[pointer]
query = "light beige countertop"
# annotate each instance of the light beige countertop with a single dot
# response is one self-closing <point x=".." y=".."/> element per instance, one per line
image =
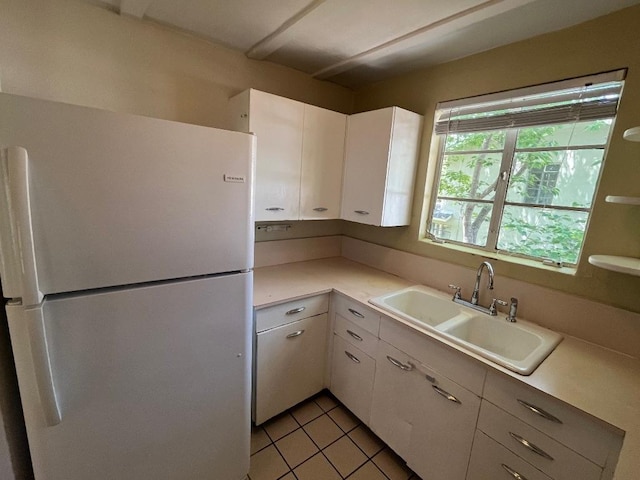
<point x="600" y="382"/>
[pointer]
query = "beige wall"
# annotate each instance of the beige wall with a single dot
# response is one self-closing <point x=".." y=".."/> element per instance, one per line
<point x="607" y="43"/>
<point x="78" y="53"/>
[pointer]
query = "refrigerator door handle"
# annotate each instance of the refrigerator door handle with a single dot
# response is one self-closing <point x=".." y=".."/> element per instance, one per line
<point x="17" y="169"/>
<point x="42" y="365"/>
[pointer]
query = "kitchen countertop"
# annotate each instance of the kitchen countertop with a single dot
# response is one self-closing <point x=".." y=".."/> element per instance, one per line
<point x="603" y="383"/>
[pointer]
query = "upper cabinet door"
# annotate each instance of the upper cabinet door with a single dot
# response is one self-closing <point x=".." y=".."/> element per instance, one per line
<point x="322" y="163"/>
<point x="380" y="161"/>
<point x="277" y="123"/>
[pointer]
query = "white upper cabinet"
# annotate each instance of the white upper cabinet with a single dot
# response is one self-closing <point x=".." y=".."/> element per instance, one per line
<point x="322" y="161"/>
<point x="300" y="150"/>
<point x="380" y="161"/>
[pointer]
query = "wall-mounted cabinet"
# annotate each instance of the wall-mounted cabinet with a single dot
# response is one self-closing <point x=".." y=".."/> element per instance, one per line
<point x="299" y="158"/>
<point x="380" y="161"/>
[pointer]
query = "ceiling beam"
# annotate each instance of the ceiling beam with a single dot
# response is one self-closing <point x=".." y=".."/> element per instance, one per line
<point x="134" y="8"/>
<point x="282" y="35"/>
<point x="453" y="22"/>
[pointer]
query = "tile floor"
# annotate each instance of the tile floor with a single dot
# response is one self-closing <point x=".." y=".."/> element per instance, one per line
<point x="320" y="439"/>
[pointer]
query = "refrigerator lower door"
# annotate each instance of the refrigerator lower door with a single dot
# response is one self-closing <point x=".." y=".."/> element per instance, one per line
<point x="150" y="382"/>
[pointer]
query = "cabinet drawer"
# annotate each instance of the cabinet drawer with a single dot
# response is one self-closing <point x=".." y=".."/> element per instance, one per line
<point x="579" y="432"/>
<point x="358" y="314"/>
<point x="433" y="354"/>
<point x="540" y="450"/>
<point x="490" y="460"/>
<point x="352" y="373"/>
<point x="356" y="335"/>
<point x="284" y="313"/>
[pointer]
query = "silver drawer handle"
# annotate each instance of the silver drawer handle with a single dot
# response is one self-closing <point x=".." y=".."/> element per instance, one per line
<point x="295" y="334"/>
<point x="538" y="411"/>
<point x="407" y="367"/>
<point x="354" y="335"/>
<point x="320" y="209"/>
<point x="361" y="212"/>
<point x="356" y="313"/>
<point x="513" y="473"/>
<point x="352" y="357"/>
<point x="293" y="311"/>
<point x="534" y="448"/>
<point x="446" y="394"/>
<point x="274" y="209"/>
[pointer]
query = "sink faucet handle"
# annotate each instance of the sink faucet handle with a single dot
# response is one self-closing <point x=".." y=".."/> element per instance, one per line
<point x="492" y="308"/>
<point x="513" y="309"/>
<point x="456" y="295"/>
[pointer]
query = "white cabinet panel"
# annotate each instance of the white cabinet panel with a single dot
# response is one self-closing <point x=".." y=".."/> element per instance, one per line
<point x="356" y="335"/>
<point x="284" y="313"/>
<point x="357" y="313"/>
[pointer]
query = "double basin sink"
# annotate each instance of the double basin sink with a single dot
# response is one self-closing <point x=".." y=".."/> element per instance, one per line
<point x="519" y="346"/>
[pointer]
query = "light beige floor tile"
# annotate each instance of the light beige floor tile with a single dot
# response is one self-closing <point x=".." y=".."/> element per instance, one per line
<point x="368" y="442"/>
<point x="259" y="439"/>
<point x="296" y="448"/>
<point x="280" y="426"/>
<point x="346" y="420"/>
<point x="326" y="402"/>
<point x="306" y="412"/>
<point x="267" y="464"/>
<point x="288" y="476"/>
<point x="317" y="468"/>
<point x="323" y="431"/>
<point x="367" y="472"/>
<point x="345" y="456"/>
<point x="392" y="465"/>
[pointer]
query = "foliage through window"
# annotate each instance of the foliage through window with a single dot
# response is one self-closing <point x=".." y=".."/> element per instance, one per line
<point x="518" y="173"/>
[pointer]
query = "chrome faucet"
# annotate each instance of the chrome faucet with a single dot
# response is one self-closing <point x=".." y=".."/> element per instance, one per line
<point x="476" y="287"/>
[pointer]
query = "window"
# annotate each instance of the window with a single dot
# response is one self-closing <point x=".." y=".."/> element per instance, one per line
<point x="517" y="171"/>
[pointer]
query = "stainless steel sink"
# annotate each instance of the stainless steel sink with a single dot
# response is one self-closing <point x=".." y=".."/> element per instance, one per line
<point x="519" y="346"/>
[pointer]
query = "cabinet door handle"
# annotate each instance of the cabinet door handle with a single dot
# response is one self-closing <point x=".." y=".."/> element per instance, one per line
<point x="446" y="394"/>
<point x="361" y="212"/>
<point x="407" y="367"/>
<point x="295" y="334"/>
<point x="354" y="335"/>
<point x="539" y="411"/>
<point x="293" y="311"/>
<point x="530" y="446"/>
<point x="274" y="209"/>
<point x="513" y="473"/>
<point x="320" y="209"/>
<point x="356" y="313"/>
<point x="352" y="357"/>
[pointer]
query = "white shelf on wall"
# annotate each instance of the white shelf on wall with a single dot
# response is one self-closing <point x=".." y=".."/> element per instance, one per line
<point x="628" y="265"/>
<point x="632" y="134"/>
<point x="621" y="199"/>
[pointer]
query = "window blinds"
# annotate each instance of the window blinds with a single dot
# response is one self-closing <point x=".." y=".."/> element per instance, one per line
<point x="587" y="98"/>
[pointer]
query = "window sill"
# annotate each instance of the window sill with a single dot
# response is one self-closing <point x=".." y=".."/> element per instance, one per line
<point x="502" y="257"/>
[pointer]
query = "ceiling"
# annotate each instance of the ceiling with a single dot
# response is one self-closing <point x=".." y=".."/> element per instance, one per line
<point x="354" y="42"/>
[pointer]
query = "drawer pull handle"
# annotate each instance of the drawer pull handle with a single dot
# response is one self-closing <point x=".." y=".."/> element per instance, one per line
<point x="352" y="357"/>
<point x="538" y="411"/>
<point x="446" y="394"/>
<point x="293" y="311"/>
<point x="513" y="473"/>
<point x="407" y="367"/>
<point x="320" y="209"/>
<point x="534" y="448"/>
<point x="356" y="313"/>
<point x="361" y="212"/>
<point x="274" y="209"/>
<point x="354" y="335"/>
<point x="295" y="334"/>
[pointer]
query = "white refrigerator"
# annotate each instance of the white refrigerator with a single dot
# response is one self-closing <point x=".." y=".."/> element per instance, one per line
<point x="126" y="249"/>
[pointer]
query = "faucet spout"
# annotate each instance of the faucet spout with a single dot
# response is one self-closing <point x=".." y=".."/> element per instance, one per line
<point x="476" y="287"/>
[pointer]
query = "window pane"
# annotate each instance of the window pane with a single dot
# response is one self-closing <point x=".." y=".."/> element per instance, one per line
<point x="593" y="132"/>
<point x="541" y="233"/>
<point x="458" y="142"/>
<point x="469" y="176"/>
<point x="562" y="178"/>
<point x="461" y="221"/>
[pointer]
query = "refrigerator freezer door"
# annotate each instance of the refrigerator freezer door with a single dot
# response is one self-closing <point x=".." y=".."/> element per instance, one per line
<point x="151" y="382"/>
<point x="120" y="199"/>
